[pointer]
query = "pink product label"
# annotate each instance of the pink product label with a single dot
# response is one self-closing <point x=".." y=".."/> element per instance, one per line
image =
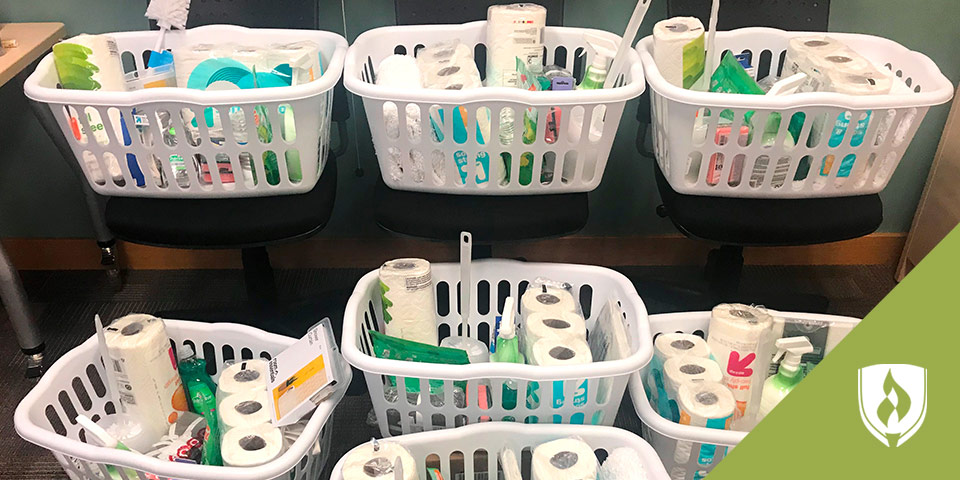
<point x="740" y="367"/>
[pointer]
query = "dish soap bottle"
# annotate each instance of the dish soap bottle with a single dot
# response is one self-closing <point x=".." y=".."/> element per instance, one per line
<point x="788" y="375"/>
<point x="201" y="394"/>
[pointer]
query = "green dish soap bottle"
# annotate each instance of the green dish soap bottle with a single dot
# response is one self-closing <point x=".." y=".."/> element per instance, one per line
<point x="200" y="390"/>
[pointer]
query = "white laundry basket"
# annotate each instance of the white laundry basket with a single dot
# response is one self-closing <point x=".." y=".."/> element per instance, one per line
<point x="75" y="385"/>
<point x="493" y="282"/>
<point x="674" y="442"/>
<point x="175" y="164"/>
<point x="698" y="158"/>
<point x="472" y="452"/>
<point x="411" y="159"/>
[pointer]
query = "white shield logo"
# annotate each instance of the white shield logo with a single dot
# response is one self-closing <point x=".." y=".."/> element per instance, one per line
<point x="893" y="401"/>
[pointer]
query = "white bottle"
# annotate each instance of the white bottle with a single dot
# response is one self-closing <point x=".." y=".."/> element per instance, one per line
<point x="788" y="375"/>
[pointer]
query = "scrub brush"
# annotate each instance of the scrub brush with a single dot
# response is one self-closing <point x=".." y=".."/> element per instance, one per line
<point x="168" y="14"/>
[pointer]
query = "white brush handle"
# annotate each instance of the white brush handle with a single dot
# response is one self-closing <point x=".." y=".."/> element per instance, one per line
<point x="163" y="31"/>
<point x="633" y="26"/>
<point x="711" y="42"/>
<point x="466" y="257"/>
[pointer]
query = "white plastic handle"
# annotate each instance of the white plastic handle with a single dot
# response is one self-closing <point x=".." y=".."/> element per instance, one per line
<point x="107" y="364"/>
<point x="626" y="43"/>
<point x="466" y="258"/>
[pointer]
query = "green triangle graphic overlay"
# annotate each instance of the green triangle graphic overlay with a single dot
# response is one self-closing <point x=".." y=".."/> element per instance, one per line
<point x="817" y="431"/>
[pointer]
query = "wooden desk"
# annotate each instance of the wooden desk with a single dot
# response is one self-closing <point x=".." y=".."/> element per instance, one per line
<point x="34" y="39"/>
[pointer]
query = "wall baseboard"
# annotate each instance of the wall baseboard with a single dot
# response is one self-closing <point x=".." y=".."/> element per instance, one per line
<point x="327" y="252"/>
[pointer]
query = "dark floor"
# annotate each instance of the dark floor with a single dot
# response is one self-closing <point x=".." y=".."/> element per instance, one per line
<point x="64" y="304"/>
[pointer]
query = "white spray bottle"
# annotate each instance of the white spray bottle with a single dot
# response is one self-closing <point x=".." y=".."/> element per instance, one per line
<point x="788" y="375"/>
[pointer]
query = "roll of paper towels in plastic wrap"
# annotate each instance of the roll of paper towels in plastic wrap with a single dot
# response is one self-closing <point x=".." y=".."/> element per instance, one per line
<point x="704" y="404"/>
<point x="546" y="299"/>
<point x="554" y="352"/>
<point x="737" y="337"/>
<point x="378" y="460"/>
<point x="409" y="302"/>
<point x="556" y="325"/>
<point x="145" y="367"/>
<point x="513" y="31"/>
<point x="564" y="459"/>
<point x="89" y="62"/>
<point x="251" y="446"/>
<point x="245" y="409"/>
<point x="678" y="50"/>
<point x="243" y="376"/>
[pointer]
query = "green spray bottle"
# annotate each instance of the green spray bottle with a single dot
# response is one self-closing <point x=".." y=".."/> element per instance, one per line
<point x="788" y="375"/>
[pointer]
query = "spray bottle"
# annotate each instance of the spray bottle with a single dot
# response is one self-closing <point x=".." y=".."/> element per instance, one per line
<point x="788" y="375"/>
<point x="507" y="350"/>
<point x="596" y="73"/>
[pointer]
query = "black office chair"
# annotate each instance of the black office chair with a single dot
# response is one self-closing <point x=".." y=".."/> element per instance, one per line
<point x="491" y="218"/>
<point x="736" y="223"/>
<point x="249" y="224"/>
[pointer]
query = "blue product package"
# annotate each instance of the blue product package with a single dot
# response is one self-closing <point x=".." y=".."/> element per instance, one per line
<point x="131" y="158"/>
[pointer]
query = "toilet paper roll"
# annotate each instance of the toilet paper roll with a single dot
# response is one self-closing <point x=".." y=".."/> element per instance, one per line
<point x="801" y="49"/>
<point x="303" y="58"/>
<point x="546" y="299"/>
<point x="251" y="446"/>
<point x="706" y="404"/>
<point x="555" y="352"/>
<point x="623" y="463"/>
<point x="566" y="458"/>
<point x="866" y="82"/>
<point x="513" y="31"/>
<point x="665" y="347"/>
<point x="243" y="376"/>
<point x="145" y="369"/>
<point x="245" y="409"/>
<point x="377" y="459"/>
<point x="556" y="325"/>
<point x="678" y="50"/>
<point x="89" y="62"/>
<point x="680" y="370"/>
<point x="737" y="337"/>
<point x="409" y="305"/>
<point x="399" y="71"/>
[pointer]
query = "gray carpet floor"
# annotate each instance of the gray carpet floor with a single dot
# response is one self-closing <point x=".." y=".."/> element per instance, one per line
<point x="64" y="303"/>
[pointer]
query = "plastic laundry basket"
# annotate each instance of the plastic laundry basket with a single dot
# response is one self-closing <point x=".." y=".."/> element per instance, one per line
<point x="412" y="159"/>
<point x="472" y="452"/>
<point x="599" y="387"/>
<point x="133" y="157"/>
<point x="75" y="384"/>
<point x="829" y="160"/>
<point x="674" y="442"/>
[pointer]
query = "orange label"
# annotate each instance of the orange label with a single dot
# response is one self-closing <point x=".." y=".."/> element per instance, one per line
<point x="684" y="418"/>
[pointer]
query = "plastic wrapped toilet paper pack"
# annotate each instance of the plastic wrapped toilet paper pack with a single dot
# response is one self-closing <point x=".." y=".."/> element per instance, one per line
<point x="448" y="66"/>
<point x="378" y="460"/>
<point x="245" y="409"/>
<point x="243" y="376"/>
<point x="680" y="370"/>
<point x="704" y="404"/>
<point x="546" y="299"/>
<point x="564" y="459"/>
<point x="665" y="347"/>
<point x="555" y="325"/>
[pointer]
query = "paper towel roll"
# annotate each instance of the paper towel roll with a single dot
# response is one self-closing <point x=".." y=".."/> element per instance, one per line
<point x="245" y="409"/>
<point x="736" y="337"/>
<point x="513" y="31"/>
<point x="251" y="446"/>
<point x="145" y="366"/>
<point x="680" y="370"/>
<point x="556" y="325"/>
<point x="399" y="71"/>
<point x="678" y="50"/>
<point x="623" y="463"/>
<point x="377" y="459"/>
<point x="243" y="376"/>
<point x="706" y="404"/>
<point x="89" y="62"/>
<point x="553" y="352"/>
<point x="566" y="459"/>
<point x="409" y="305"/>
<point x="546" y="299"/>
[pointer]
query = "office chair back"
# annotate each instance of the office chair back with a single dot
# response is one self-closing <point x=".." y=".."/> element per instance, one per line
<point x="803" y="15"/>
